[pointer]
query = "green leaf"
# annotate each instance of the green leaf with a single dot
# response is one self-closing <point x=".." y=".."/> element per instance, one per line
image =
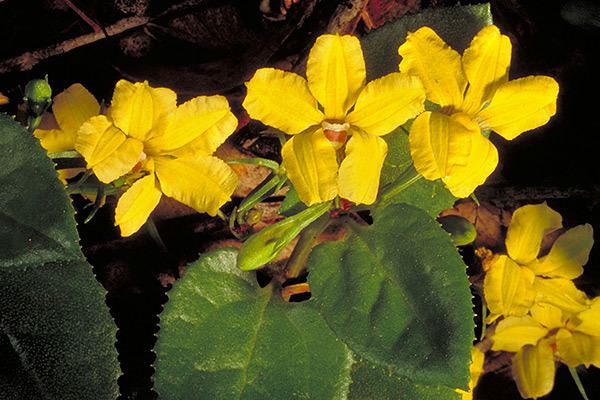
<point x="262" y="247"/>
<point x="291" y="204"/>
<point x="56" y="333"/>
<point x="370" y="381"/>
<point x="456" y="25"/>
<point x="223" y="337"/>
<point x="397" y="294"/>
<point x="431" y="196"/>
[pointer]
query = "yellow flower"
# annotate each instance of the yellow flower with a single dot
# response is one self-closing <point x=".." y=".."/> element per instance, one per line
<point x="71" y="109"/>
<point x="475" y="371"/>
<point x="170" y="145"/>
<point x="336" y="81"/>
<point x="547" y="333"/>
<point x="475" y="95"/>
<point x="515" y="281"/>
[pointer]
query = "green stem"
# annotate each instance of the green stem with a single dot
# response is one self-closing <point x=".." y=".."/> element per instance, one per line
<point x="263" y="162"/>
<point x="153" y="231"/>
<point x="407" y="178"/>
<point x="297" y="260"/>
<point x="33" y="122"/>
<point x="578" y="383"/>
<point x="65" y="154"/>
<point x="266" y="188"/>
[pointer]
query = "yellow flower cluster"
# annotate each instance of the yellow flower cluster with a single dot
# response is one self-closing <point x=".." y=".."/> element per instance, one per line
<point x="545" y="315"/>
<point x="163" y="148"/>
<point x="336" y="120"/>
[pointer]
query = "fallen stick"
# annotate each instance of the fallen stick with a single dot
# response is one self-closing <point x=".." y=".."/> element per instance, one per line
<point x="28" y="60"/>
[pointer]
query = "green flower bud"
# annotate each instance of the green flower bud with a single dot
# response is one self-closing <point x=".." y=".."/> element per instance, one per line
<point x="461" y="231"/>
<point x="38" y="95"/>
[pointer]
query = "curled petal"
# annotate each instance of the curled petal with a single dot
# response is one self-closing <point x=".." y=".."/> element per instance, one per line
<point x="73" y="107"/>
<point x="533" y="369"/>
<point x="425" y="55"/>
<point x="548" y="315"/>
<point x="282" y="100"/>
<point x="513" y="333"/>
<point x="568" y="254"/>
<point x="576" y="348"/>
<point x="107" y="151"/>
<point x="520" y="105"/>
<point x="486" y="63"/>
<point x="137" y="108"/>
<point x="561" y="293"/>
<point x="311" y="165"/>
<point x="136" y="205"/>
<point x="198" y="126"/>
<point x="439" y="144"/>
<point x="508" y="287"/>
<point x="203" y="183"/>
<point x="588" y="321"/>
<point x="388" y="102"/>
<point x="56" y="140"/>
<point x="361" y="169"/>
<point x="336" y="73"/>
<point x="528" y="226"/>
<point x="482" y="161"/>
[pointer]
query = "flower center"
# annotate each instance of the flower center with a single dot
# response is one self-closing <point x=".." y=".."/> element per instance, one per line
<point x="336" y="133"/>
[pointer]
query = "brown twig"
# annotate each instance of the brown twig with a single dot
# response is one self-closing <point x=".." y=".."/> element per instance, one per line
<point x="97" y="28"/>
<point x="28" y="60"/>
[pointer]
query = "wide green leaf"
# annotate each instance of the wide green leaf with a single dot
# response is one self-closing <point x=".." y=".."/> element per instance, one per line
<point x="456" y="25"/>
<point x="397" y="294"/>
<point x="56" y="333"/>
<point x="224" y="337"/>
<point x="371" y="381"/>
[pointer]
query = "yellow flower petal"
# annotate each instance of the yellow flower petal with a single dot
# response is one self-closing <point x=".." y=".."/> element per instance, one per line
<point x="440" y="143"/>
<point x="282" y="100"/>
<point x="533" y="369"/>
<point x="73" y="107"/>
<point x="481" y="163"/>
<point x="548" y="315"/>
<point x="388" y="102"/>
<point x="203" y="183"/>
<point x="575" y="348"/>
<point x="513" y="333"/>
<point x="528" y="226"/>
<point x="311" y="165"/>
<point x="561" y="293"/>
<point x="588" y="321"/>
<point x="508" y="287"/>
<point x="475" y="371"/>
<point x="425" y="55"/>
<point x="568" y="254"/>
<point x="201" y="125"/>
<point x="361" y="169"/>
<point x="520" y="105"/>
<point x="486" y="63"/>
<point x="56" y="140"/>
<point x="336" y="73"/>
<point x="136" y="205"/>
<point x="137" y="108"/>
<point x="107" y="151"/>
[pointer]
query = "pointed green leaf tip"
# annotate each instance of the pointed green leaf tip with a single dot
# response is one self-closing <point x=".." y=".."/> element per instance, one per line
<point x="56" y="333"/>
<point x="397" y="294"/>
<point x="222" y="337"/>
<point x="262" y="247"/>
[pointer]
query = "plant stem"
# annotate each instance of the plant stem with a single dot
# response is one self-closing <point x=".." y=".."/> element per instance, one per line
<point x="263" y="162"/>
<point x="407" y="178"/>
<point x="578" y="383"/>
<point x="153" y="231"/>
<point x="65" y="154"/>
<point x="297" y="260"/>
